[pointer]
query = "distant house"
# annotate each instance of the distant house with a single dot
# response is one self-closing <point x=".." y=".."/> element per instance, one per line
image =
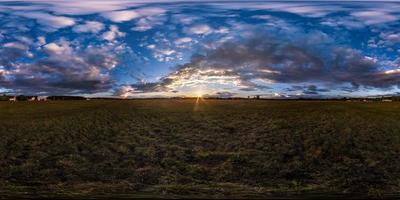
<point x="31" y="98"/>
<point x="387" y="98"/>
<point x="42" y="98"/>
<point x="13" y="99"/>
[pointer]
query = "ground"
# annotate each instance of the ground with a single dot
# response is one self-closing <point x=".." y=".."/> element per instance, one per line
<point x="203" y="148"/>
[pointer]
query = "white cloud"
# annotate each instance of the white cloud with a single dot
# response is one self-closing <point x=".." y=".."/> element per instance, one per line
<point x="41" y="41"/>
<point x="79" y="7"/>
<point x="60" y="48"/>
<point x="165" y="55"/>
<point x="15" y="45"/>
<point x="183" y="40"/>
<point x="184" y="19"/>
<point x="51" y="21"/>
<point x="222" y="30"/>
<point x="151" y="46"/>
<point x="300" y="8"/>
<point x="263" y="17"/>
<point x="345" y="22"/>
<point x="310" y="11"/>
<point x="142" y="25"/>
<point x="374" y="17"/>
<point x="89" y="27"/>
<point x="113" y="33"/>
<point x="167" y="52"/>
<point x="147" y="23"/>
<point x="121" y="16"/>
<point x="53" y="48"/>
<point x="202" y="29"/>
<point x="74" y="7"/>
<point x="391" y="37"/>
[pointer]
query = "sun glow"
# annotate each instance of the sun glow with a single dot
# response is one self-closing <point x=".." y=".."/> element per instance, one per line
<point x="199" y="99"/>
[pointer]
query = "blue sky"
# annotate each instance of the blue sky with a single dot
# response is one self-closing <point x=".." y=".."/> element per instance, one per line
<point x="210" y="48"/>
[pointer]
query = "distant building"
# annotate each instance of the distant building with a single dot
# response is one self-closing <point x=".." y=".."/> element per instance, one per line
<point x="42" y="98"/>
<point x="32" y="98"/>
<point x="13" y="99"/>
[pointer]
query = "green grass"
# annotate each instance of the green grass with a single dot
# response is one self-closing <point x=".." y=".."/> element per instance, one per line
<point x="218" y="148"/>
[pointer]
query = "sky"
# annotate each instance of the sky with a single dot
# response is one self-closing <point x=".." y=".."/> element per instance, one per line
<point x="135" y="49"/>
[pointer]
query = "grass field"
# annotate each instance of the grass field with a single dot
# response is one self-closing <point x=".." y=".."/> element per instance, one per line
<point x="213" y="148"/>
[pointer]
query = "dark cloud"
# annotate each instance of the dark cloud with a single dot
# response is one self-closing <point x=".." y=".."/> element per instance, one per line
<point x="12" y="51"/>
<point x="273" y="60"/>
<point x="224" y="95"/>
<point x="61" y="72"/>
<point x="160" y="86"/>
<point x="308" y="89"/>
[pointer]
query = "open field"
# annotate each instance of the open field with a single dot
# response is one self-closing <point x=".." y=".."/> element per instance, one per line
<point x="215" y="148"/>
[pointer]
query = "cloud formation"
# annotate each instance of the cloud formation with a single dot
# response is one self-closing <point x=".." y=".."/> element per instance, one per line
<point x="65" y="70"/>
<point x="89" y="27"/>
<point x="267" y="59"/>
<point x="51" y="22"/>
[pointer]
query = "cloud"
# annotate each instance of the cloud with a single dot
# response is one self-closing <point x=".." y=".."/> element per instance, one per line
<point x="223" y="95"/>
<point x="89" y="27"/>
<point x="41" y="41"/>
<point x="310" y="10"/>
<point x="51" y="21"/>
<point x="149" y="18"/>
<point x="72" y="7"/>
<point x="185" y="19"/>
<point x="262" y="58"/>
<point x="374" y="17"/>
<point x="124" y="91"/>
<point x="243" y="46"/>
<point x="151" y="11"/>
<point x="121" y="16"/>
<point x="58" y="49"/>
<point x="202" y="29"/>
<point x="306" y="9"/>
<point x="308" y="90"/>
<point x="112" y="34"/>
<point x="390" y="38"/>
<point x="142" y="25"/>
<point x="147" y="23"/>
<point x="183" y="40"/>
<point x="128" y="15"/>
<point x="14" y="45"/>
<point x="65" y="70"/>
<point x="165" y="55"/>
<point x="11" y="52"/>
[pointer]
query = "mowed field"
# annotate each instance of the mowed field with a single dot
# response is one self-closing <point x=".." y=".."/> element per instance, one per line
<point x="212" y="148"/>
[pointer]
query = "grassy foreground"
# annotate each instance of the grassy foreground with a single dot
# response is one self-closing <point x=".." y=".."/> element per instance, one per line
<point x="215" y="148"/>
